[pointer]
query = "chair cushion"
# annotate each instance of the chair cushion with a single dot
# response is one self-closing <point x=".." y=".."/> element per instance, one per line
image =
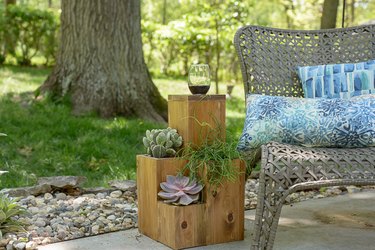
<point x="309" y="122"/>
<point x="338" y="80"/>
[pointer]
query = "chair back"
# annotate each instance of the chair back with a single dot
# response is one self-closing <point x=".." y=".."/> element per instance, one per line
<point x="269" y="57"/>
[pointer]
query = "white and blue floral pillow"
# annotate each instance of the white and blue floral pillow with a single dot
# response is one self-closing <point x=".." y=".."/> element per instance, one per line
<point x="338" y="80"/>
<point x="319" y="122"/>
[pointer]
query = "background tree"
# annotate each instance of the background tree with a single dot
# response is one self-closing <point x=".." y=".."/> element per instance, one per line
<point x="223" y="17"/>
<point x="4" y="36"/>
<point x="329" y="14"/>
<point x="9" y="2"/>
<point x="100" y="63"/>
<point x="177" y="34"/>
<point x="289" y="11"/>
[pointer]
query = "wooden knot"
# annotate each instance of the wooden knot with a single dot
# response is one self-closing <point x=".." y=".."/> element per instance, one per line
<point x="230" y="217"/>
<point x="184" y="225"/>
<point x="214" y="193"/>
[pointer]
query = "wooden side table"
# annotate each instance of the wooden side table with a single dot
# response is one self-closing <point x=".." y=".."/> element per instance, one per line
<point x="197" y="117"/>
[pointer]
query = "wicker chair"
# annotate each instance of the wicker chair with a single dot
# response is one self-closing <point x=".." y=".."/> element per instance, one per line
<point x="268" y="59"/>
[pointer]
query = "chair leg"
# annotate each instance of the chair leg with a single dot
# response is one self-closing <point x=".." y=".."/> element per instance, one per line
<point x="267" y="215"/>
<point x="283" y="173"/>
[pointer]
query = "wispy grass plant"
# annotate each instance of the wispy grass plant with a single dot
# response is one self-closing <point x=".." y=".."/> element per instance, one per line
<point x="212" y="162"/>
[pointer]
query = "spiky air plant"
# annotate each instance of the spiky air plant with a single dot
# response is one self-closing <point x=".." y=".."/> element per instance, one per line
<point x="180" y="190"/>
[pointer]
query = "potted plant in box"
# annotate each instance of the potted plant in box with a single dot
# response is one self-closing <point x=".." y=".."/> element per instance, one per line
<point x="162" y="146"/>
<point x="217" y="217"/>
<point x="178" y="190"/>
<point x="214" y="162"/>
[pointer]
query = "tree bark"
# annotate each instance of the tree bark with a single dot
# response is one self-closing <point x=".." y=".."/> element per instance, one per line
<point x="9" y="2"/>
<point x="329" y="14"/>
<point x="164" y="21"/>
<point x="100" y="63"/>
<point x="289" y="6"/>
<point x="217" y="30"/>
<point x="352" y="12"/>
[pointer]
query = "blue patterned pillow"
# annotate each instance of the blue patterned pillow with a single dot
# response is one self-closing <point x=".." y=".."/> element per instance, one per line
<point x="338" y="80"/>
<point x="310" y="122"/>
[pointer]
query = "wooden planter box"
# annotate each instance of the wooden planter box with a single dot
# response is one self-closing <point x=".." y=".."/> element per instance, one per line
<point x="220" y="218"/>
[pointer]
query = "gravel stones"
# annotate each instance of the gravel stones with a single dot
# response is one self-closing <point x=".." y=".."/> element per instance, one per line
<point x="25" y="191"/>
<point x="353" y="189"/>
<point x="62" y="181"/>
<point x="100" y="196"/>
<point x="58" y="217"/>
<point x="55" y="217"/>
<point x="124" y="185"/>
<point x="20" y="246"/>
<point x="116" y="194"/>
<point x="252" y="187"/>
<point x="39" y="223"/>
<point x="48" y="196"/>
<point x="61" y="196"/>
<point x="31" y="245"/>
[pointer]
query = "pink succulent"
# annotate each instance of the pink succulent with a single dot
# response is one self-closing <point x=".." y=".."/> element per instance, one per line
<point x="180" y="190"/>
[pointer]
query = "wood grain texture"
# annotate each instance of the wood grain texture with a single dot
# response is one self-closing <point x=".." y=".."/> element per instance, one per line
<point x="224" y="210"/>
<point x="220" y="218"/>
<point x="181" y="226"/>
<point x="150" y="173"/>
<point x="197" y="117"/>
<point x="100" y="63"/>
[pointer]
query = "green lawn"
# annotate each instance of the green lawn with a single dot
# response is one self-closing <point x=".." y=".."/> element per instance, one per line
<point x="44" y="139"/>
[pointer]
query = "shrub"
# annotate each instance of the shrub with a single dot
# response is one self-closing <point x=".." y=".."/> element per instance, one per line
<point x="50" y="41"/>
<point x="2" y="36"/>
<point x="29" y="31"/>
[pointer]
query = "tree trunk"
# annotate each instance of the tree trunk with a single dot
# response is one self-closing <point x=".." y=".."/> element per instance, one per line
<point x="289" y="7"/>
<point x="352" y="12"/>
<point x="9" y="2"/>
<point x="329" y="14"/>
<point x="217" y="56"/>
<point x="100" y="64"/>
<point x="164" y="21"/>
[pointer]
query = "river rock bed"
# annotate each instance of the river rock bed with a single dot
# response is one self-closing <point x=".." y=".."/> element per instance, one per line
<point x="58" y="217"/>
<point x="55" y="217"/>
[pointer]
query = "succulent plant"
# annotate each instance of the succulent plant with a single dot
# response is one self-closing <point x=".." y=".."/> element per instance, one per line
<point x="162" y="142"/>
<point x="180" y="190"/>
